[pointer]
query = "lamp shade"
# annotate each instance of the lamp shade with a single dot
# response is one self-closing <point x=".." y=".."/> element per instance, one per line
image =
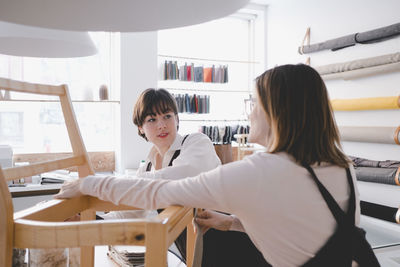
<point x="115" y="15"/>
<point x="27" y="41"/>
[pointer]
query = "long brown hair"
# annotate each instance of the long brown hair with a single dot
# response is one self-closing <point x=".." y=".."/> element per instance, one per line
<point x="296" y="103"/>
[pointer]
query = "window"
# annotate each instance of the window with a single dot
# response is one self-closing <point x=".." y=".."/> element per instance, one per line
<point x="227" y="41"/>
<point x="35" y="124"/>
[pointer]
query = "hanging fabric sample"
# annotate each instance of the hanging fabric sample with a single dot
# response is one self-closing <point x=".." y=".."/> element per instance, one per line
<point x="372" y="103"/>
<point x="382" y="212"/>
<point x="361" y="67"/>
<point x="384" y="135"/>
<point x="372" y="36"/>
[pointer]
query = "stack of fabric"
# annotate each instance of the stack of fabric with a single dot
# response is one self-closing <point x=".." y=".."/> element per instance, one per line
<point x="384" y="172"/>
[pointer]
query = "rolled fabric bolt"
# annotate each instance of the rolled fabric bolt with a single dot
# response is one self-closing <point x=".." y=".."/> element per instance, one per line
<point x="372" y="36"/>
<point x="382" y="212"/>
<point x="384" y="135"/>
<point x="359" y="64"/>
<point x="364" y="72"/>
<point x="372" y="103"/>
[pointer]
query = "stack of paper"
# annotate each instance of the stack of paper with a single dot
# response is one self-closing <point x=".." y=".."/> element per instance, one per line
<point x="125" y="256"/>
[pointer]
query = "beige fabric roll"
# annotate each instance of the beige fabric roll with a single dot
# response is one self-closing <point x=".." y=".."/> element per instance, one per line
<point x="384" y="135"/>
<point x="372" y="103"/>
<point x="359" y="64"/>
<point x="365" y="72"/>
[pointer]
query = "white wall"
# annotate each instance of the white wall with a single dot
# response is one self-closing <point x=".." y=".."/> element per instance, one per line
<point x="138" y="72"/>
<point x="287" y="21"/>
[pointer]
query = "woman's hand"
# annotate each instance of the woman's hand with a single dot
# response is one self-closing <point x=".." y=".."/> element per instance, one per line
<point x="207" y="219"/>
<point x="70" y="189"/>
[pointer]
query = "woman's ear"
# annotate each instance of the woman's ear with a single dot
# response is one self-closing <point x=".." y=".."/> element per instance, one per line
<point x="141" y="130"/>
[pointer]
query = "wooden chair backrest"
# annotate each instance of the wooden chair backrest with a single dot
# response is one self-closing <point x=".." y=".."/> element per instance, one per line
<point x="79" y="159"/>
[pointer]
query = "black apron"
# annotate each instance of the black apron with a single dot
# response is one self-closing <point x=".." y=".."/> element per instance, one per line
<point x="346" y="243"/>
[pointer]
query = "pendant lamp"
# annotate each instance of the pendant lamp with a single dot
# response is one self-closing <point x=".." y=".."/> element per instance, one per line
<point x="115" y="15"/>
<point x="27" y="41"/>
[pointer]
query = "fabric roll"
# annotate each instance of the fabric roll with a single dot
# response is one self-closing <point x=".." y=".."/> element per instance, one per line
<point x="333" y="44"/>
<point x="372" y="36"/>
<point x="379" y="34"/>
<point x="361" y="162"/>
<point x="384" y="135"/>
<point x="372" y="103"/>
<point x="359" y="64"/>
<point x="365" y="72"/>
<point x="380" y="211"/>
<point x="378" y="175"/>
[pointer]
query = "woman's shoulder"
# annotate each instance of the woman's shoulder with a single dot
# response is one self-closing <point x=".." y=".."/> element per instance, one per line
<point x="196" y="137"/>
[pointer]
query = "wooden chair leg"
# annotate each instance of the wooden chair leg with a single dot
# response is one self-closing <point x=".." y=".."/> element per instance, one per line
<point x="87" y="253"/>
<point x="6" y="223"/>
<point x="190" y="240"/>
<point x="156" y="245"/>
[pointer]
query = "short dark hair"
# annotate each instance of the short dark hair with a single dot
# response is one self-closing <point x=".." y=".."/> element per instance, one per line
<point x="151" y="102"/>
<point x="297" y="107"/>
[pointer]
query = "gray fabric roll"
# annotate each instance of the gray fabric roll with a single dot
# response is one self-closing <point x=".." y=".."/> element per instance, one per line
<point x="378" y="35"/>
<point x="361" y="162"/>
<point x="359" y="64"/>
<point x="376" y="175"/>
<point x="372" y="36"/>
<point x="334" y="44"/>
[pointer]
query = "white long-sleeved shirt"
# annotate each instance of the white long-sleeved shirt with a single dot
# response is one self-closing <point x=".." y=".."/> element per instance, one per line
<point x="275" y="199"/>
<point x="197" y="154"/>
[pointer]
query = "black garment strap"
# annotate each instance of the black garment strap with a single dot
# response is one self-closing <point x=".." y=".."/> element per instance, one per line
<point x="176" y="154"/>
<point x="341" y="217"/>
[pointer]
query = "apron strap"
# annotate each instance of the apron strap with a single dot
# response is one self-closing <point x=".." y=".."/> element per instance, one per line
<point x="176" y="154"/>
<point x="341" y="217"/>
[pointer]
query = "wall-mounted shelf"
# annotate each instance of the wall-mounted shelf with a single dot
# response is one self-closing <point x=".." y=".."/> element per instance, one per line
<point x="211" y="59"/>
<point x="54" y="101"/>
<point x="209" y="90"/>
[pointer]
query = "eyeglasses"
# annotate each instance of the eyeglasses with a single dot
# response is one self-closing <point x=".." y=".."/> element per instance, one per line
<point x="249" y="105"/>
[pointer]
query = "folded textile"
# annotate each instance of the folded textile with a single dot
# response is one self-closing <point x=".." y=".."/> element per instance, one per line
<point x="372" y="36"/>
<point x="378" y="175"/>
<point x="372" y="103"/>
<point x="361" y="162"/>
<point x="380" y="211"/>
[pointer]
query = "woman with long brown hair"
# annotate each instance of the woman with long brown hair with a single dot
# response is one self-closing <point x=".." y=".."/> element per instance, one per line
<point x="275" y="197"/>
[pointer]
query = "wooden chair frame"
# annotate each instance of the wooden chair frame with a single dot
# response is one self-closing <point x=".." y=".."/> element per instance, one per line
<point x="43" y="226"/>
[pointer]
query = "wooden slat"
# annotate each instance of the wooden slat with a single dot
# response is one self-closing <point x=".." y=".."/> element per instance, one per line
<point x="55" y="210"/>
<point x="32" y="88"/>
<point x="37" y="168"/>
<point x="78" y="147"/>
<point x="6" y="223"/>
<point x="156" y="245"/>
<point x="190" y="241"/>
<point x="87" y="252"/>
<point x="102" y="161"/>
<point x="34" y="234"/>
<point x="174" y="231"/>
<point x="171" y="215"/>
